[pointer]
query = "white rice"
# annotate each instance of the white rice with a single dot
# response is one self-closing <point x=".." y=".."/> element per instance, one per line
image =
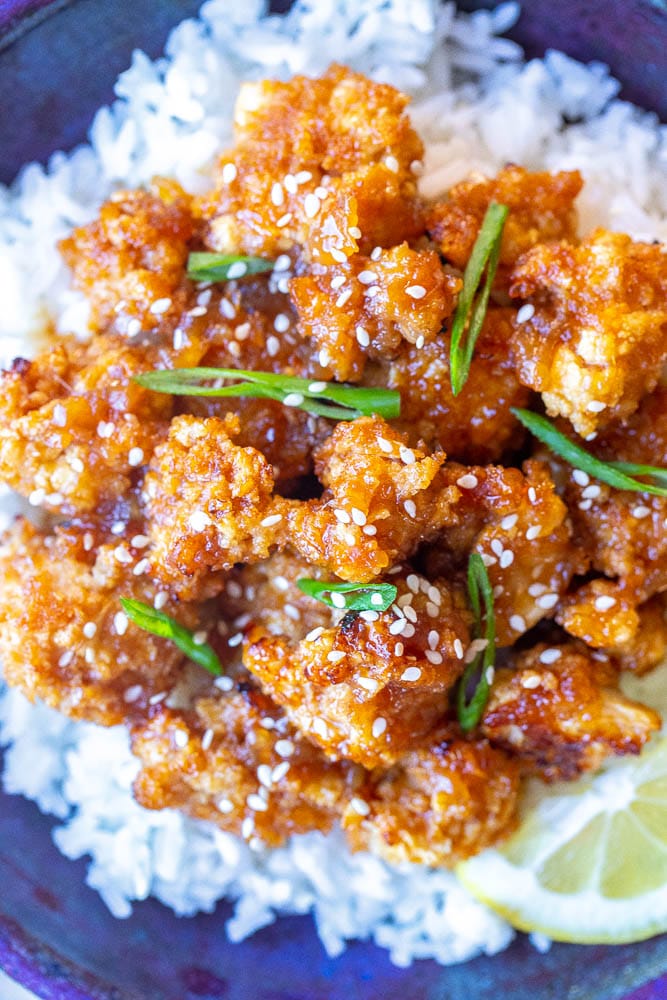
<point x="477" y="105"/>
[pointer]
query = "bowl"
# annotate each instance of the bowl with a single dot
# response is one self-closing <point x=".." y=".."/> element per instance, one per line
<point x="58" y="62"/>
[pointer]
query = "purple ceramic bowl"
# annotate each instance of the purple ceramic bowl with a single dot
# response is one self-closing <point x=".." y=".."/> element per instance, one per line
<point x="58" y="62"/>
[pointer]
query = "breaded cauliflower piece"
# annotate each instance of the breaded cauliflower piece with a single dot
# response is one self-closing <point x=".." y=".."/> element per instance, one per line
<point x="367" y="688"/>
<point x="381" y="499"/>
<point x="366" y="308"/>
<point x="63" y="635"/>
<point x="132" y="256"/>
<point x="209" y="505"/>
<point x="325" y="164"/>
<point x="597" y="340"/>
<point x="541" y="211"/>
<point x="236" y="761"/>
<point x="557" y="709"/>
<point x="443" y="802"/>
<point x="75" y="429"/>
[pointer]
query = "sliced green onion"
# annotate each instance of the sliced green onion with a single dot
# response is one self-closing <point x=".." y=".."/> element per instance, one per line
<point x="471" y="307"/>
<point x="616" y="474"/>
<point x="159" y="623"/>
<point x="343" y="402"/>
<point x="225" y="266"/>
<point x="350" y="596"/>
<point x="470" y="710"/>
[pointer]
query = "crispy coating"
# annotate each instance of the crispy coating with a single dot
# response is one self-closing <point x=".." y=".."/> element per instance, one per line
<point x="368" y="307"/>
<point x="377" y="682"/>
<point x="133" y="255"/>
<point x="210" y="505"/>
<point x="559" y="711"/>
<point x="75" y="428"/>
<point x="324" y="164"/>
<point x="382" y="499"/>
<point x="63" y="637"/>
<point x="256" y="777"/>
<point x="442" y="803"/>
<point x="541" y="211"/>
<point x="475" y="426"/>
<point x="596" y="343"/>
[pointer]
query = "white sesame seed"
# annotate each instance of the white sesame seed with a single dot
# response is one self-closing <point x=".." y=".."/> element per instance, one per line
<point x="355" y="232"/>
<point x="508" y="522"/>
<point x="265" y="775"/>
<point x="397" y="627"/>
<point x="122" y="556"/>
<point x="506" y="559"/>
<point x="358" y="516"/>
<point x="360" y="806"/>
<point x="319" y="727"/>
<point x="408" y="630"/>
<point x="410" y="613"/>
<point x="399" y="649"/>
<point x="343" y="298"/>
<point x="580" y="477"/>
<point x="410" y="508"/>
<point x="105" y="429"/>
<point x="604" y="602"/>
<point x="517" y="623"/>
<point x="224" y="683"/>
<point x="303" y="176"/>
<point x="548" y="656"/>
<point x="284" y="220"/>
<point x="532" y="495"/>
<point x="497" y="546"/>
<point x="376" y="599"/>
<point x="36" y="497"/>
<point x="160" y="600"/>
<point x="256" y="803"/>
<point x="476" y="646"/>
<point x="585" y="505"/>
<point x="66" y="658"/>
<point x="284" y="748"/>
<point x="415" y="291"/>
<point x="140" y="541"/>
<point x="369" y="616"/>
<point x="89" y="629"/>
<point x="406" y="455"/>
<point x="342" y="516"/>
<point x="315" y="634"/>
<point x="433" y="638"/>
<point x="133" y="694"/>
<point x="379" y="726"/>
<point x="199" y="520"/>
<point x="391" y="163"/>
<point x="200" y="637"/>
<point x="376" y="253"/>
<point x="293" y="399"/>
<point x="596" y="406"/>
<point x="141" y="567"/>
<point x="225" y="805"/>
<point x="242" y="331"/>
<point x="317" y="387"/>
<point x="135" y="457"/>
<point x="235" y="640"/>
<point x="338" y="255"/>
<point x="411" y="674"/>
<point x="536" y="589"/>
<point x="120" y="622"/>
<point x="237" y="270"/>
<point x="412" y="581"/>
<point x="367" y="277"/>
<point x="467" y="482"/>
<point x="369" y="529"/>
<point x="488" y="559"/>
<point x="338" y="600"/>
<point x="371" y="291"/>
<point x="547" y="601"/>
<point x="160" y="306"/>
<point x="591" y="492"/>
<point x="640" y="512"/>
<point x="525" y="313"/>
<point x="133" y="327"/>
<point x="198" y="310"/>
<point x="180" y="739"/>
<point x="433" y="656"/>
<point x="368" y="684"/>
<point x="336" y="655"/>
<point x="247" y="826"/>
<point x="533" y="532"/>
<point x="459" y="652"/>
<point x="385" y="446"/>
<point x="272" y="346"/>
<point x="277" y="194"/>
<point x="227" y="308"/>
<point x="272" y="519"/>
<point x="229" y="173"/>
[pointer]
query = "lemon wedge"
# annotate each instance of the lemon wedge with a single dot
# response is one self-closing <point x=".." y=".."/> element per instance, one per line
<point x="588" y="863"/>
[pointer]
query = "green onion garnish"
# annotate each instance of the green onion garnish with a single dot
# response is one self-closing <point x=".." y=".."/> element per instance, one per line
<point x="471" y="307"/>
<point x="225" y="266"/>
<point x="159" y="623"/>
<point x="616" y="474"/>
<point x="344" y="402"/>
<point x="470" y="711"/>
<point x="350" y="596"/>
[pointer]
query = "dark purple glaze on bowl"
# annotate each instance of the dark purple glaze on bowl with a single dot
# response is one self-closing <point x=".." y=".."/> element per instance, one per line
<point x="56" y="936"/>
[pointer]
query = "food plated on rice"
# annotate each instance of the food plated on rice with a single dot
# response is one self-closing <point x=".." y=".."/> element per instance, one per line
<point x="347" y="502"/>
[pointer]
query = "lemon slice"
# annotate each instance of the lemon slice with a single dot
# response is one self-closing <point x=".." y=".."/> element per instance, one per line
<point x="588" y="863"/>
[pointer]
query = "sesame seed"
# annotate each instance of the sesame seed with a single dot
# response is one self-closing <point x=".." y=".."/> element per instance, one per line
<point x="467" y="482"/>
<point x="133" y="694"/>
<point x="532" y="495"/>
<point x="410" y="508"/>
<point x="135" y="457"/>
<point x="200" y="637"/>
<point x="369" y="529"/>
<point x="497" y="546"/>
<point x="284" y="220"/>
<point x="367" y="277"/>
<point x="225" y="805"/>
<point x="399" y="649"/>
<point x="604" y="602"/>
<point x="408" y="630"/>
<point x="140" y="541"/>
<point x="415" y="291"/>
<point x="284" y="748"/>
<point x="272" y="519"/>
<point x="227" y="308"/>
<point x="141" y="567"/>
<point x="277" y="194"/>
<point x="640" y="512"/>
<point x="433" y="638"/>
<point x="247" y="826"/>
<point x="199" y="520"/>
<point x="406" y="455"/>
<point x="385" y="446"/>
<point x="201" y="310"/>
<point x="338" y="255"/>
<point x="272" y="346"/>
<point x="433" y="656"/>
<point x="525" y="313"/>
<point x="121" y="555"/>
<point x="235" y="640"/>
<point x="355" y="232"/>
<point x="315" y="634"/>
<point x="358" y="516"/>
<point x="533" y="532"/>
<point x="411" y="674"/>
<point x="368" y="684"/>
<point x="342" y="516"/>
<point x="508" y="522"/>
<point x="256" y="803"/>
<point x="338" y="600"/>
<point x="476" y="646"/>
<point x="536" y="589"/>
<point x="66" y="658"/>
<point x="595" y="406"/>
<point x="391" y="163"/>
<point x="585" y="505"/>
<point x="591" y="492"/>
<point x="242" y="331"/>
<point x="319" y="727"/>
<point x="412" y="581"/>
<point x="235" y="589"/>
<point x="336" y="655"/>
<point x="369" y="616"/>
<point x="311" y="205"/>
<point x="36" y="497"/>
<point x="397" y="627"/>
<point x="376" y="253"/>
<point x="417" y="167"/>
<point x="237" y="270"/>
<point x="360" y="806"/>
<point x="506" y="559"/>
<point x="133" y="327"/>
<point x="224" y="683"/>
<point x="547" y="601"/>
<point x="303" y="177"/>
<point x="160" y="600"/>
<point x="548" y="656"/>
<point x="265" y="775"/>
<point x="379" y="726"/>
<point x="292" y="612"/>
<point x="580" y="477"/>
<point x="181" y="739"/>
<point x="517" y="623"/>
<point x="293" y="399"/>
<point x="372" y="291"/>
<point x="120" y="622"/>
<point x="376" y="599"/>
<point x="317" y="387"/>
<point x="105" y="429"/>
<point x="343" y="298"/>
<point x="410" y="613"/>
<point x="279" y="771"/>
<point x="229" y="173"/>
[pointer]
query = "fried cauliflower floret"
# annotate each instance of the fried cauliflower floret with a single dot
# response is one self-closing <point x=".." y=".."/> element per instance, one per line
<point x="541" y="210"/>
<point x="442" y="803"/>
<point x="209" y="504"/>
<point x="75" y="428"/>
<point x="63" y="635"/>
<point x="559" y="711"/>
<point x="236" y="761"/>
<point x="324" y="164"/>
<point x="368" y="688"/>
<point x="477" y="425"/>
<point x="596" y="343"/>
<point x="381" y="499"/>
<point x="133" y="255"/>
<point x="368" y="307"/>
